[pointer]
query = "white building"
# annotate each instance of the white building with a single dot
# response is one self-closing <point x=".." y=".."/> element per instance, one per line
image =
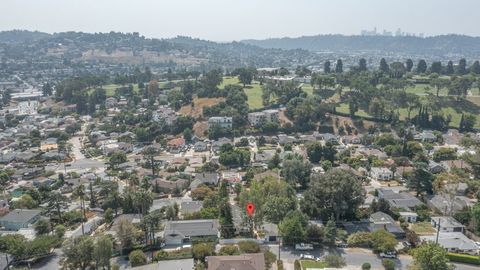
<point x="164" y="113"/>
<point x="381" y="174"/>
<point x="453" y="242"/>
<point x="222" y="121"/>
<point x="266" y="116"/>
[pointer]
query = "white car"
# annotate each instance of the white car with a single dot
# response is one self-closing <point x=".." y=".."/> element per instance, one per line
<point x="390" y="255"/>
<point x="307" y="257"/>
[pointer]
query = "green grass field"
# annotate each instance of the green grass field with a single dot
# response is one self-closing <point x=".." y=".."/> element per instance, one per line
<point x="312" y="264"/>
<point x="253" y="91"/>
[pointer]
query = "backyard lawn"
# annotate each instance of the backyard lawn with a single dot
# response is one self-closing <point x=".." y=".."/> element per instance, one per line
<point x="422" y="228"/>
<point x="111" y="88"/>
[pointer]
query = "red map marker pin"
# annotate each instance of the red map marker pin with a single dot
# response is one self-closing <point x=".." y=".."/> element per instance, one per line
<point x="250" y="209"/>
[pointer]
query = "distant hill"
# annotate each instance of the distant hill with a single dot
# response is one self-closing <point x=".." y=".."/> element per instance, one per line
<point x="437" y="45"/>
<point x="20" y="36"/>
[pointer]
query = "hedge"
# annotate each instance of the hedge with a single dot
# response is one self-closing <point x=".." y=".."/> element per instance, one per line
<point x="464" y="258"/>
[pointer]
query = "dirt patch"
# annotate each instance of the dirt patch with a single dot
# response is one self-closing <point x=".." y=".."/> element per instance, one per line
<point x="197" y="109"/>
<point x="283" y="118"/>
<point x="199" y="128"/>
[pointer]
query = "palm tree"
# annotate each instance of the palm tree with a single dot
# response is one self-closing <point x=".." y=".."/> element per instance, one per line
<point x="79" y="192"/>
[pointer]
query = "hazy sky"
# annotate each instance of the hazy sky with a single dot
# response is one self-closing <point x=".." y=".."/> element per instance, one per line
<point x="225" y="20"/>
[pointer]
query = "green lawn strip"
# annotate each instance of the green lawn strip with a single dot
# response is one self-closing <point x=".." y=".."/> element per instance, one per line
<point x="312" y="264"/>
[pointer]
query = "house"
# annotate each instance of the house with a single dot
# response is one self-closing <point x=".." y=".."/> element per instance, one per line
<point x="410" y="217"/>
<point x="271" y="232"/>
<point x="253" y="261"/>
<point x="222" y="121"/>
<point x="447" y="224"/>
<point x="425" y="136"/>
<point x="380" y="220"/>
<point x="170" y="186"/>
<point x="368" y="151"/>
<point x="351" y="139"/>
<point x="164" y="113"/>
<point x="191" y="207"/>
<point x="435" y="167"/>
<point x="455" y="242"/>
<point x="216" y="145"/>
<point x="49" y="144"/>
<point x="210" y="179"/>
<point x="175" y="145"/>
<point x="401" y="200"/>
<point x="381" y="174"/>
<point x="455" y="164"/>
<point x="110" y="102"/>
<point x="446" y="206"/>
<point x="19" y="218"/>
<point x="182" y="231"/>
<point x="200" y="146"/>
<point x="231" y="178"/>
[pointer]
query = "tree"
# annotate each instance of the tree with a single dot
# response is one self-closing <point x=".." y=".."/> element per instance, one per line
<point x="384" y="66"/>
<point x="431" y="256"/>
<point x="326" y="67"/>
<point x="42" y="226"/>
<point x="108" y="215"/>
<point x="449" y="70"/>
<point x="248" y="246"/>
<point x="116" y="159"/>
<point x="388" y="264"/>
<point x="103" y="251"/>
<point x="276" y="208"/>
<point x="339" y="66"/>
<point x="79" y="192"/>
<point x="421" y="180"/>
<point x="60" y="230"/>
<point x="409" y="65"/>
<point x="47" y="89"/>
<point x="212" y="79"/>
<point x="57" y="202"/>
<point x="78" y="252"/>
<point x="296" y="171"/>
<point x="202" y="250"/>
<point x="383" y="241"/>
<point x="337" y="192"/>
<point x="475" y="68"/>
<point x="245" y="76"/>
<point x="314" y="234"/>
<point x="475" y="213"/>
<point x="436" y="67"/>
<point x="421" y="66"/>
<point x="226" y="220"/>
<point x="330" y="232"/>
<point x="462" y="67"/>
<point x="137" y="258"/>
<point x="362" y="64"/>
<point x="150" y="153"/>
<point x="292" y="227"/>
<point x="126" y="233"/>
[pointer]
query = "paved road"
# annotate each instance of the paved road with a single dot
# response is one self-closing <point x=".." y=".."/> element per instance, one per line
<point x="355" y="257"/>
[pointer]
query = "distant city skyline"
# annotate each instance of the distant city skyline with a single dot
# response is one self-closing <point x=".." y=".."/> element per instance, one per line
<point x="227" y="20"/>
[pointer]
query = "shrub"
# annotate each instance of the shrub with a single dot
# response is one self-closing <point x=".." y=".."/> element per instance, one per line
<point x="280" y="265"/>
<point x="383" y="241"/>
<point x="366" y="266"/>
<point x="297" y="265"/>
<point x="463" y="258"/>
<point x="137" y="258"/>
<point x="248" y="247"/>
<point x="229" y="250"/>
<point x="360" y="239"/>
<point x="388" y="264"/>
<point x="161" y="255"/>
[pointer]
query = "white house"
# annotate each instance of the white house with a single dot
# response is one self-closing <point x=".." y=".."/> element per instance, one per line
<point x="410" y="217"/>
<point x="222" y="121"/>
<point x="381" y="174"/>
<point x="447" y="224"/>
<point x="453" y="242"/>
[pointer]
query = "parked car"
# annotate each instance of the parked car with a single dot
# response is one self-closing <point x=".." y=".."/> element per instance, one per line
<point x="307" y="257"/>
<point x="390" y="255"/>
